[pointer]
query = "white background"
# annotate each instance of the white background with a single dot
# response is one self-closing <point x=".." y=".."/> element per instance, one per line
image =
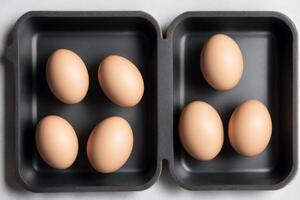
<point x="164" y="11"/>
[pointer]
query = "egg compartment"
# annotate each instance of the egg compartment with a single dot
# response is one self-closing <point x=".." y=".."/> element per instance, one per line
<point x="268" y="43"/>
<point x="93" y="36"/>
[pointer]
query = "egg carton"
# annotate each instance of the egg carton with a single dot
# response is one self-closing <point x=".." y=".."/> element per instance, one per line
<point x="169" y="64"/>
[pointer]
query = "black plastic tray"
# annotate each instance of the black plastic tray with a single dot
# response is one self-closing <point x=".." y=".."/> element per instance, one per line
<point x="172" y="78"/>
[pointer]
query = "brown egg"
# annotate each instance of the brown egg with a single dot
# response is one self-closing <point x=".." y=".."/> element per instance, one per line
<point x="250" y="128"/>
<point x="201" y="130"/>
<point x="110" y="144"/>
<point x="56" y="142"/>
<point x="121" y="81"/>
<point x="221" y="62"/>
<point x="67" y="76"/>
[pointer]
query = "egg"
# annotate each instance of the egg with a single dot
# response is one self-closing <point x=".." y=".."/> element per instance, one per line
<point x="56" y="142"/>
<point x="201" y="130"/>
<point x="67" y="76"/>
<point x="121" y="81"/>
<point x="110" y="144"/>
<point x="221" y="62"/>
<point x="250" y="128"/>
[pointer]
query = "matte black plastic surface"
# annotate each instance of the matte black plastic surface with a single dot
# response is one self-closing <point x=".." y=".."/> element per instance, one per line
<point x="92" y="37"/>
<point x="266" y="43"/>
<point x="170" y="68"/>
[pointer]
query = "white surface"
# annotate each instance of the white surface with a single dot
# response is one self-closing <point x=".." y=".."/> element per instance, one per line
<point x="164" y="11"/>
